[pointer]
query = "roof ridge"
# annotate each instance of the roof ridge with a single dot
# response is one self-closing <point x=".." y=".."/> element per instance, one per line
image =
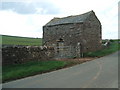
<point x="74" y="15"/>
<point x="69" y="19"/>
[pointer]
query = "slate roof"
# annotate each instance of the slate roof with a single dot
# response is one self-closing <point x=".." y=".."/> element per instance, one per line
<point x="69" y="19"/>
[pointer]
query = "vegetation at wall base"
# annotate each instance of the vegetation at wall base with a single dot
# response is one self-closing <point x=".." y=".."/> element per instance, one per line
<point x="113" y="47"/>
<point x="16" y="40"/>
<point x="17" y="71"/>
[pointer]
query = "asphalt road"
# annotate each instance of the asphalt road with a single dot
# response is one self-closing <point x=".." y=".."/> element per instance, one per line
<point x="99" y="73"/>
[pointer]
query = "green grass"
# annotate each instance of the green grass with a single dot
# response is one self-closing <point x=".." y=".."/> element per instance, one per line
<point x="12" y="72"/>
<point x="15" y="40"/>
<point x="114" y="46"/>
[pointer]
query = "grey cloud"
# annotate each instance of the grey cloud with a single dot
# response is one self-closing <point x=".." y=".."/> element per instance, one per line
<point x="30" y="8"/>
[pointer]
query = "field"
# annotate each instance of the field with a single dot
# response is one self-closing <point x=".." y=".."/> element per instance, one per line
<point x="15" y="40"/>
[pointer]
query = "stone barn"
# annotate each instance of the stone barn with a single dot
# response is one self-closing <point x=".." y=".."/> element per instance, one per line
<point x="73" y="35"/>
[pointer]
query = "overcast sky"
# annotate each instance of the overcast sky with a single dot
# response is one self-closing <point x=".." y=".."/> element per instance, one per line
<point x="26" y="17"/>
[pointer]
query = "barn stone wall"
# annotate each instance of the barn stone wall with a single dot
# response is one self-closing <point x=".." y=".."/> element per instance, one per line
<point x="71" y="34"/>
<point x="21" y="54"/>
<point x="88" y="34"/>
<point x="68" y="32"/>
<point x="81" y="32"/>
<point x="92" y="34"/>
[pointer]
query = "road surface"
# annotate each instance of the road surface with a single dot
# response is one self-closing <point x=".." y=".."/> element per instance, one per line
<point x="99" y="73"/>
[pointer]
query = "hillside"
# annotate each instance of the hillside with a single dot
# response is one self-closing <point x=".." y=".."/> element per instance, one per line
<point x="15" y="40"/>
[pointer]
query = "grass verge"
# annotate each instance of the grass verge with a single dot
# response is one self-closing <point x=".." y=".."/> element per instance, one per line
<point x="114" y="46"/>
<point x="18" y="71"/>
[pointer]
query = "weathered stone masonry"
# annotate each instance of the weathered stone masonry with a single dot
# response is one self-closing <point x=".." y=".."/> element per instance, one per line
<point x="21" y="54"/>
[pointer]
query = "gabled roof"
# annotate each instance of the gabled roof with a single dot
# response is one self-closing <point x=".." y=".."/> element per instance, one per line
<point x="69" y="19"/>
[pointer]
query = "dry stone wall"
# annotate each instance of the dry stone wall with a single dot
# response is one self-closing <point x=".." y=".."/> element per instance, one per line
<point x="21" y="54"/>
